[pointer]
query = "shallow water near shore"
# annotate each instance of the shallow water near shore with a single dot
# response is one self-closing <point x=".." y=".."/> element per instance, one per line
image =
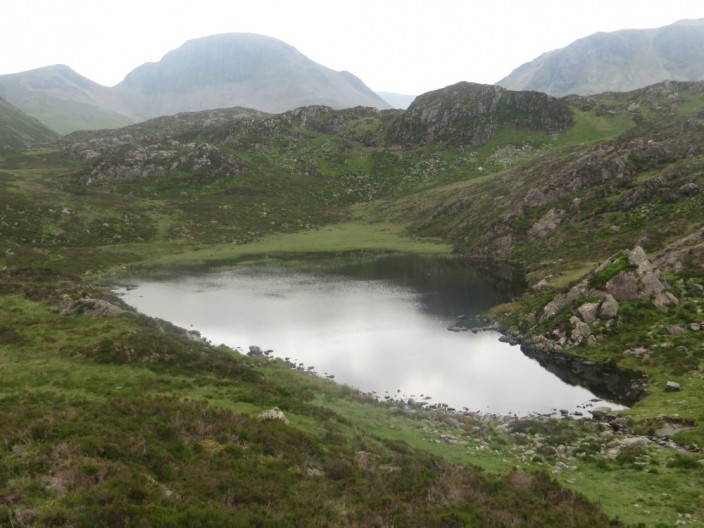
<point x="399" y="327"/>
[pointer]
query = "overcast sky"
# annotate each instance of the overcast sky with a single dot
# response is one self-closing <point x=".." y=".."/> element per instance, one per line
<point x="405" y="46"/>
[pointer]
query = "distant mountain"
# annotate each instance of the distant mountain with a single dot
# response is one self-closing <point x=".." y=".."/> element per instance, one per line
<point x="239" y="69"/>
<point x="64" y="100"/>
<point x="397" y="100"/>
<point x="618" y="61"/>
<point x="19" y="131"/>
<point x="220" y="71"/>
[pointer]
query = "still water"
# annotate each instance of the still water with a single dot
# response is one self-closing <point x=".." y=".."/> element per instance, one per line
<point x="379" y="324"/>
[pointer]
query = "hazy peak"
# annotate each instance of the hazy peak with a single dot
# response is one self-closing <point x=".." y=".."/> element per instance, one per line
<point x="616" y="61"/>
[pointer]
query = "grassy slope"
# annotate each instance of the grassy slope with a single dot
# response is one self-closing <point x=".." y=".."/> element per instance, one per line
<point x="124" y="421"/>
<point x="19" y="131"/>
<point x="50" y="220"/>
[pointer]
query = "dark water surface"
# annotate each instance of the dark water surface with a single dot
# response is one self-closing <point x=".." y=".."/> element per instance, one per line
<point x="376" y="323"/>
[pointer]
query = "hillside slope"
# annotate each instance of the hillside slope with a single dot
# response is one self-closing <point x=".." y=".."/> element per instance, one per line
<point x="18" y="130"/>
<point x="112" y="417"/>
<point x="63" y="100"/>
<point x="618" y="61"/>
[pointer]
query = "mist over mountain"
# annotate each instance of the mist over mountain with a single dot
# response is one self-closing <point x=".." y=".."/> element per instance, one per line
<point x="239" y="69"/>
<point x="219" y="71"/>
<point x="618" y="61"/>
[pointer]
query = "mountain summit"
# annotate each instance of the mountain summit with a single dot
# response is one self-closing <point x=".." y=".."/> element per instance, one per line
<point x="239" y="69"/>
<point x="220" y="71"/>
<point x="619" y="61"/>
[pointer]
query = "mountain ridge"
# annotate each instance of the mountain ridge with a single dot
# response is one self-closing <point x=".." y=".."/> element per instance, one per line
<point x="620" y="61"/>
<point x="219" y="71"/>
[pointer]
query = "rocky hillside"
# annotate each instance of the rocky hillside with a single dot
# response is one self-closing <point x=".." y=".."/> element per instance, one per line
<point x="18" y="130"/>
<point x="619" y="61"/>
<point x="644" y="187"/>
<point x="598" y="198"/>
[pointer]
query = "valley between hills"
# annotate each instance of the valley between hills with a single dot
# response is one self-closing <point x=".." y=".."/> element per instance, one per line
<point x="114" y="418"/>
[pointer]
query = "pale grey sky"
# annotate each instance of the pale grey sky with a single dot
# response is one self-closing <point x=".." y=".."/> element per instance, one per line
<point x="406" y="46"/>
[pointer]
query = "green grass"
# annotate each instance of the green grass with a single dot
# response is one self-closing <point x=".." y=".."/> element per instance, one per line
<point x="335" y="238"/>
<point x="110" y="421"/>
<point x="589" y="127"/>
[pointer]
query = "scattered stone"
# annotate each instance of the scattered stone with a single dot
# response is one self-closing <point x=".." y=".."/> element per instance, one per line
<point x="547" y="223"/>
<point x="620" y="423"/>
<point x="675" y="330"/>
<point x="255" y="351"/>
<point x="663" y="299"/>
<point x="689" y="189"/>
<point x="639" y="353"/>
<point x="315" y="472"/>
<point x="634" y="441"/>
<point x="90" y="307"/>
<point x="580" y="329"/>
<point x="542" y="283"/>
<point x="669" y="429"/>
<point x="601" y="413"/>
<point x="672" y="386"/>
<point x="274" y="414"/>
<point x="695" y="327"/>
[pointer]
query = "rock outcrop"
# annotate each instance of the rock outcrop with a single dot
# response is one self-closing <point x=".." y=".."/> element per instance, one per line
<point x="626" y="276"/>
<point x="471" y="114"/>
<point x="89" y="307"/>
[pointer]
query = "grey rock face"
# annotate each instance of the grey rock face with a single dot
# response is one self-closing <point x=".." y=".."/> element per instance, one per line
<point x="547" y="223"/>
<point x="580" y="330"/>
<point x="624" y="286"/>
<point x="608" y="309"/>
<point x="588" y="312"/>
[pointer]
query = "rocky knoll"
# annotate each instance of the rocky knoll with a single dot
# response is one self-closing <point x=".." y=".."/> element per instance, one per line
<point x="204" y="144"/>
<point x="468" y="114"/>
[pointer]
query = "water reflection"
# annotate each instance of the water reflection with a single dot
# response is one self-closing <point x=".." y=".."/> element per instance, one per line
<point x="378" y="324"/>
